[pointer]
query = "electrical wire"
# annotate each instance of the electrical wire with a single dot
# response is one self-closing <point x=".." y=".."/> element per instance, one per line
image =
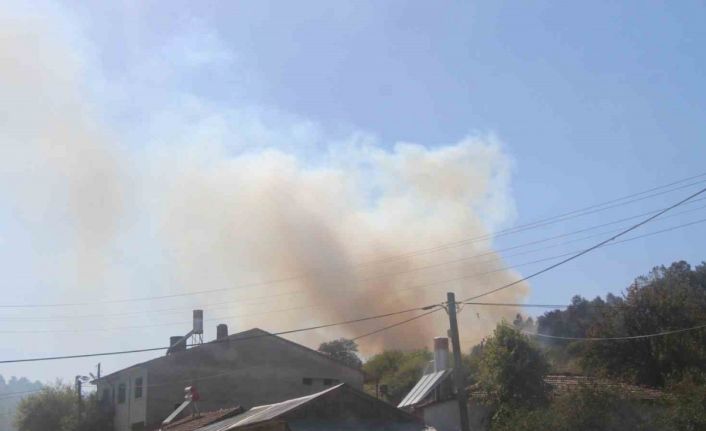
<point x="225" y="305"/>
<point x="581" y="253"/>
<point x="309" y="306"/>
<point x="153" y="349"/>
<point x="631" y="337"/>
<point x="539" y="223"/>
<point x="394" y="325"/>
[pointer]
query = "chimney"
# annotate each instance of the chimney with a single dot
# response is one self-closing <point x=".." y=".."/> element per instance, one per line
<point x="178" y="348"/>
<point x="441" y="353"/>
<point x="221" y="331"/>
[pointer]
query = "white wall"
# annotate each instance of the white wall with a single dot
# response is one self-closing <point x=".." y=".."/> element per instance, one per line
<point x="132" y="410"/>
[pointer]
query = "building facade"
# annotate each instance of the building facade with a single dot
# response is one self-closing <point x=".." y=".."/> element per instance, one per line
<point x="247" y="369"/>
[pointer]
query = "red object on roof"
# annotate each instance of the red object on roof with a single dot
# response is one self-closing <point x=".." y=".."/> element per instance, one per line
<point x="190" y="393"/>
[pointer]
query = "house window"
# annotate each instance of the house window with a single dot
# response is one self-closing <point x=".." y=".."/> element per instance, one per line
<point x="138" y="387"/>
<point x="121" y="393"/>
<point x="328" y="382"/>
<point x="106" y="394"/>
<point x="308" y="381"/>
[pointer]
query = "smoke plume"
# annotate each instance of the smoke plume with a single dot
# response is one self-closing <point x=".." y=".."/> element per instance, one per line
<point x="357" y="229"/>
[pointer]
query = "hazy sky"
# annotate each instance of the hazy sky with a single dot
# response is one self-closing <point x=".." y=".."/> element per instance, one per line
<point x="538" y="108"/>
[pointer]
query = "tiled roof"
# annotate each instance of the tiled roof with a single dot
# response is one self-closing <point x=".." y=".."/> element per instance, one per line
<point x="564" y="383"/>
<point x="190" y="423"/>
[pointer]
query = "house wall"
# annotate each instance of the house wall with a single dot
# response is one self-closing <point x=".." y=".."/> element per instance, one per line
<point x="132" y="412"/>
<point x="246" y="372"/>
<point x="444" y="416"/>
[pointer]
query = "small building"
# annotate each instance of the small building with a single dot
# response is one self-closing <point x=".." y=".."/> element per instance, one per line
<point x="249" y="368"/>
<point x="432" y="398"/>
<point x="340" y="408"/>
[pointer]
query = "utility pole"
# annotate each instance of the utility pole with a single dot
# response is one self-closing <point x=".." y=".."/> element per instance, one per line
<point x="458" y="371"/>
<point x="79" y="406"/>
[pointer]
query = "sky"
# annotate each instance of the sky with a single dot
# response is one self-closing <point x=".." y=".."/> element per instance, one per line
<point x="448" y="120"/>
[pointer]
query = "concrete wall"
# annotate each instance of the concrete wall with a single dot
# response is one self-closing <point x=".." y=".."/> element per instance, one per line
<point x="246" y="372"/>
<point x="133" y="410"/>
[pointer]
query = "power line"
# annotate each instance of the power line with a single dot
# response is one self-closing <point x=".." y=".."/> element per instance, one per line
<point x="539" y="223"/>
<point x="419" y="286"/>
<point x="151" y="312"/>
<point x="631" y="337"/>
<point x="153" y="349"/>
<point x="394" y="325"/>
<point x="600" y="244"/>
<point x="519" y="304"/>
<point x="554" y="219"/>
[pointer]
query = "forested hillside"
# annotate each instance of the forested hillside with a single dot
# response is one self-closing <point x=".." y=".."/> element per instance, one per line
<point x="666" y="299"/>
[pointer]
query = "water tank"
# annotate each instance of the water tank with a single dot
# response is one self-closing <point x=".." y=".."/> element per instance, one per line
<point x="175" y="339"/>
<point x="198" y="321"/>
<point x="221" y="331"/>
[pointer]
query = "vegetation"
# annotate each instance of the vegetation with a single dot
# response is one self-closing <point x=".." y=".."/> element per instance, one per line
<point x="11" y="392"/>
<point x="667" y="298"/>
<point x="512" y="369"/>
<point x="56" y="408"/>
<point x="342" y="350"/>
<point x="396" y="372"/>
<point x="584" y="409"/>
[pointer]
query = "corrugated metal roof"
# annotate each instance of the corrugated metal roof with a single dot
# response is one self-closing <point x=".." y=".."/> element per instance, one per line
<point x="191" y="423"/>
<point x="423" y="387"/>
<point x="264" y="413"/>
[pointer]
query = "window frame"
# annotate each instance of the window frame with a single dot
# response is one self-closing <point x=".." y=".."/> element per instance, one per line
<point x="138" y="392"/>
<point x="122" y="393"/>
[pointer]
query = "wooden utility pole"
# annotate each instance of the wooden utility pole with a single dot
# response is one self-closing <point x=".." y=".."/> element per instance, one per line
<point x="79" y="406"/>
<point x="458" y="368"/>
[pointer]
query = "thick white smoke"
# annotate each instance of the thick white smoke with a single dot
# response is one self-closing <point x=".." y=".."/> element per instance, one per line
<point x="224" y="218"/>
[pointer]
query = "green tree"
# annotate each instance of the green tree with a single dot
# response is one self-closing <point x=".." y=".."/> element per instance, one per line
<point x="56" y="408"/>
<point x="667" y="298"/>
<point x="685" y="403"/>
<point x="398" y="371"/>
<point x="512" y="369"/>
<point x="583" y="409"/>
<point x="50" y="409"/>
<point x="342" y="350"/>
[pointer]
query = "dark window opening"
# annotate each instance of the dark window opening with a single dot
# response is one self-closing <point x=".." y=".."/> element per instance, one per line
<point x="138" y="387"/>
<point x="328" y="382"/>
<point x="121" y="393"/>
<point x="307" y="381"/>
<point x="106" y="394"/>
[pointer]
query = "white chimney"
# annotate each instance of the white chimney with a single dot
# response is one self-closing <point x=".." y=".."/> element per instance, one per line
<point x="441" y="353"/>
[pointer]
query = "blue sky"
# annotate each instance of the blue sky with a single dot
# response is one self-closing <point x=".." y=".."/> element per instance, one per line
<point x="591" y="101"/>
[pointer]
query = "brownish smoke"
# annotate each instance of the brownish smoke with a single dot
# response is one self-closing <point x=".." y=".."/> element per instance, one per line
<point x="226" y="219"/>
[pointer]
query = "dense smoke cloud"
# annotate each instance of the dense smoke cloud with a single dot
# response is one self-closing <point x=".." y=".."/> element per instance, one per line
<point x="344" y="226"/>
